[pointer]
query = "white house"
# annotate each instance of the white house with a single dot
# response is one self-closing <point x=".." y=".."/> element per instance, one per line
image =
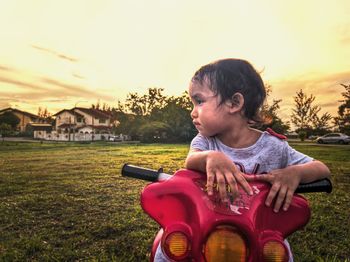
<point x="81" y="124"/>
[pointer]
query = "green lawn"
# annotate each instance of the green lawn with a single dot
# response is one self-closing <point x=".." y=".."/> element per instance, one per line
<point x="68" y="202"/>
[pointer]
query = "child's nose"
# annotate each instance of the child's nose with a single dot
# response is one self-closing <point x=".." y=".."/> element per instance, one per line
<point x="194" y="113"/>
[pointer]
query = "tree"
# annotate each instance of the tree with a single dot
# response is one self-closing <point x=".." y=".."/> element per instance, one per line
<point x="5" y="130"/>
<point x="9" y="118"/>
<point x="137" y="111"/>
<point x="305" y="116"/>
<point x="176" y="114"/>
<point x="153" y="131"/>
<point x="45" y="115"/>
<point x="321" y="124"/>
<point x="127" y="123"/>
<point x="271" y="119"/>
<point x="343" y="118"/>
<point x="304" y="112"/>
<point x="144" y="105"/>
<point x="154" y="116"/>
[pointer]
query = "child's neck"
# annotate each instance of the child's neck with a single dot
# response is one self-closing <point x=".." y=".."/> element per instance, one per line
<point x="241" y="137"/>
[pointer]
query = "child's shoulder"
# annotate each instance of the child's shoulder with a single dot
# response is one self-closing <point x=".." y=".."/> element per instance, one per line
<point x="271" y="139"/>
<point x="270" y="132"/>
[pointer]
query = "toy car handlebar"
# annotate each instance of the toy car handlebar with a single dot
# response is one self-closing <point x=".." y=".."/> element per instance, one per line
<point x="323" y="185"/>
<point x="144" y="173"/>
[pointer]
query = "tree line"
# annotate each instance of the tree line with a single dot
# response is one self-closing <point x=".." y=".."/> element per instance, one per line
<point x="155" y="117"/>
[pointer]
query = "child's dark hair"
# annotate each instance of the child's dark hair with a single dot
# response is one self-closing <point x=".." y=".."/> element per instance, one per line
<point x="229" y="76"/>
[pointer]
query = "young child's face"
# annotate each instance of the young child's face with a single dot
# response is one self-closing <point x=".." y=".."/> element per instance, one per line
<point x="209" y="116"/>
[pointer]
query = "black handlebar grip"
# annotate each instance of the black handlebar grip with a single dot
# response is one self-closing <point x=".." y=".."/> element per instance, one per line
<point x="323" y="185"/>
<point x="140" y="173"/>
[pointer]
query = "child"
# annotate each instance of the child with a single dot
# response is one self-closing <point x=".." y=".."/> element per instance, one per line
<point x="227" y="96"/>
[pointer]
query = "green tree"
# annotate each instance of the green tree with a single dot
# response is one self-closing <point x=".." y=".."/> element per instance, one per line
<point x="5" y="130"/>
<point x="153" y="131"/>
<point x="155" y="117"/>
<point x="127" y="123"/>
<point x="343" y="118"/>
<point x="271" y="118"/>
<point x="144" y="105"/>
<point x="304" y="112"/>
<point x="320" y="125"/>
<point x="306" y="117"/>
<point x="9" y="118"/>
<point x="270" y="115"/>
<point x="176" y="114"/>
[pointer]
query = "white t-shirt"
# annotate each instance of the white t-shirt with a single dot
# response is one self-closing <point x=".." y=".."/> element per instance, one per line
<point x="267" y="154"/>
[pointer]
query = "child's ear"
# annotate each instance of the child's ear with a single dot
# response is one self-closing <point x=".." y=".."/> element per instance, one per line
<point x="236" y="103"/>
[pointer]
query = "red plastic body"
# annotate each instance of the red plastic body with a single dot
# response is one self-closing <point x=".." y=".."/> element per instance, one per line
<point x="181" y="203"/>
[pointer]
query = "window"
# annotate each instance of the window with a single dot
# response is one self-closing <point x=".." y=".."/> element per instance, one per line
<point x="332" y="135"/>
<point x="102" y="121"/>
<point x="80" y="119"/>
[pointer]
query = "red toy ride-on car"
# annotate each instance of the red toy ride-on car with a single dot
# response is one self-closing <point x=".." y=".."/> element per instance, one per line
<point x="196" y="227"/>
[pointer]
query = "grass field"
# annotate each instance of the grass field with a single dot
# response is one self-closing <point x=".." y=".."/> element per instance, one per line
<point x="68" y="202"/>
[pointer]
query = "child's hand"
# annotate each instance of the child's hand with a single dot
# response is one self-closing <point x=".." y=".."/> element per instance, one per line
<point x="220" y="168"/>
<point x="284" y="182"/>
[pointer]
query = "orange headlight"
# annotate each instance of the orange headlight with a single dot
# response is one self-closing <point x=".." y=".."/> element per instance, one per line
<point x="274" y="251"/>
<point x="225" y="243"/>
<point x="176" y="245"/>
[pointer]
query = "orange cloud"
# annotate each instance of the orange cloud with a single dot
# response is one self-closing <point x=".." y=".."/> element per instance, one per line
<point x="39" y="89"/>
<point x="326" y="89"/>
<point x="59" y="55"/>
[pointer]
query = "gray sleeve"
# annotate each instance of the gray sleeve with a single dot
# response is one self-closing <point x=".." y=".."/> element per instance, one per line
<point x="294" y="157"/>
<point x="200" y="143"/>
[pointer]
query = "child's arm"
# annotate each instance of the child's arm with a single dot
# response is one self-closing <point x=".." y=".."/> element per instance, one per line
<point x="285" y="181"/>
<point x="218" y="167"/>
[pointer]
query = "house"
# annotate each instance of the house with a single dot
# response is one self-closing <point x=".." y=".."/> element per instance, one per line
<point x="40" y="130"/>
<point x="80" y="124"/>
<point x="24" y="117"/>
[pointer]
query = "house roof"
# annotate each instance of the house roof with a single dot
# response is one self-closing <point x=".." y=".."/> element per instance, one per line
<point x="100" y="127"/>
<point x="90" y="111"/>
<point x="41" y="126"/>
<point x="19" y="111"/>
<point x="94" y="112"/>
<point x="65" y="125"/>
<point x="64" y="110"/>
<point x="71" y="111"/>
<point x="94" y="127"/>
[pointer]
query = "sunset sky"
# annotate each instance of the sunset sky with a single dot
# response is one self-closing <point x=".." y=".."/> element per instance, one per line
<point x="58" y="54"/>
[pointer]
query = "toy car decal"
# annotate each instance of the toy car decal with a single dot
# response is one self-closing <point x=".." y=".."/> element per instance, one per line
<point x="234" y="206"/>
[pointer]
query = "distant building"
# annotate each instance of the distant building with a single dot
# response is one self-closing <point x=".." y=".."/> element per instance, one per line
<point x="24" y="117"/>
<point x="40" y="130"/>
<point x="80" y="124"/>
<point x="76" y="124"/>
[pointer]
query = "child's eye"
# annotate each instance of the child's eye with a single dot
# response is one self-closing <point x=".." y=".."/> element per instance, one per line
<point x="198" y="101"/>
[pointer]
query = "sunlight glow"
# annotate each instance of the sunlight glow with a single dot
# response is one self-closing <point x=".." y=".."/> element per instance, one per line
<point x="55" y="53"/>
